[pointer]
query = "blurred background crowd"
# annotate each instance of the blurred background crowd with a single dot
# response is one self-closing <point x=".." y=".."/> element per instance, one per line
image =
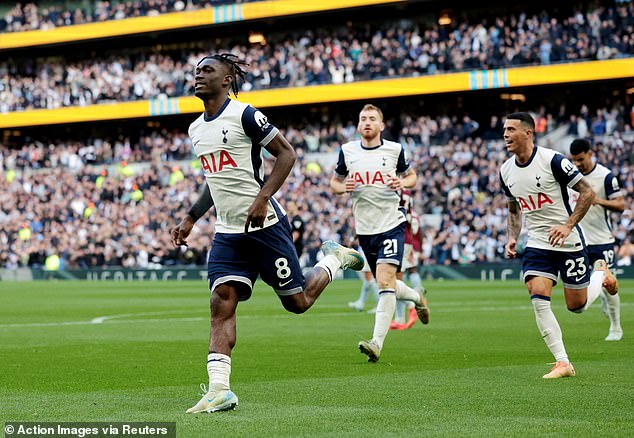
<point x="126" y="194"/>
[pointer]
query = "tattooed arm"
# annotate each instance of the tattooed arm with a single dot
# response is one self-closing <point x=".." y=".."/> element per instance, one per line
<point x="558" y="234"/>
<point x="513" y="228"/>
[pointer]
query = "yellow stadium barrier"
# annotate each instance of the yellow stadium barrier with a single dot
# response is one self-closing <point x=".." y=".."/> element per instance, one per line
<point x="434" y="84"/>
<point x="177" y="20"/>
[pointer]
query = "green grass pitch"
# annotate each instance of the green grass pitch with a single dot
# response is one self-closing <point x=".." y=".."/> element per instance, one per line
<point x="475" y="370"/>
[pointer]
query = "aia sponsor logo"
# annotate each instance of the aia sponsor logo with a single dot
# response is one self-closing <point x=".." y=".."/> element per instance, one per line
<point x="368" y="178"/>
<point x="534" y="202"/>
<point x="216" y="162"/>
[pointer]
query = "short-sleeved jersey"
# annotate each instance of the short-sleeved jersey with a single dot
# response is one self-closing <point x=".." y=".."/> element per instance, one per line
<point x="596" y="226"/>
<point x="229" y="146"/>
<point x="375" y="206"/>
<point x="541" y="188"/>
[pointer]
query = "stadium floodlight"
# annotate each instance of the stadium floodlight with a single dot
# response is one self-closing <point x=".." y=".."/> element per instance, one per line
<point x="257" y="38"/>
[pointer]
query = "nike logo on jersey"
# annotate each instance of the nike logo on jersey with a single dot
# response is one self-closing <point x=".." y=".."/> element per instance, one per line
<point x="285" y="283"/>
<point x="578" y="279"/>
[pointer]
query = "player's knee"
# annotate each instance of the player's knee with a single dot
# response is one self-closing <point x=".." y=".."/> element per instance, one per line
<point x="294" y="307"/>
<point x="295" y="303"/>
<point x="576" y="307"/>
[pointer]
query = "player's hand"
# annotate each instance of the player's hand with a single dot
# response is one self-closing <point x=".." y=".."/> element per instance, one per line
<point x="511" y="248"/>
<point x="181" y="231"/>
<point x="558" y="234"/>
<point x="350" y="185"/>
<point x="394" y="182"/>
<point x="257" y="213"/>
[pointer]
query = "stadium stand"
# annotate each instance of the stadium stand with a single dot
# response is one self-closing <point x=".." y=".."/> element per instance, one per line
<point x="123" y="181"/>
<point x="118" y="217"/>
<point x="29" y="16"/>
<point x="403" y="48"/>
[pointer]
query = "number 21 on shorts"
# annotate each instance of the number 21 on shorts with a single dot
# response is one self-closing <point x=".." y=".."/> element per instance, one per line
<point x="391" y="247"/>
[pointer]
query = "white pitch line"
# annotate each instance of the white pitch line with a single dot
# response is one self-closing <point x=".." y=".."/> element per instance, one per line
<point x="112" y="319"/>
<point x="101" y="319"/>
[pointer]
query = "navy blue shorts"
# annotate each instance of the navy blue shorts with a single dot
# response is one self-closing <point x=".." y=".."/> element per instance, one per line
<point x="605" y="252"/>
<point x="268" y="252"/>
<point x="573" y="267"/>
<point x="386" y="247"/>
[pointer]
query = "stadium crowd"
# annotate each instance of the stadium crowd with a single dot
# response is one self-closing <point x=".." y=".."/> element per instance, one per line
<point x="119" y="215"/>
<point x="330" y="55"/>
<point x="29" y="16"/>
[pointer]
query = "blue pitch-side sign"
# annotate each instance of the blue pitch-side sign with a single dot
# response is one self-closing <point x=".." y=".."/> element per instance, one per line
<point x="163" y="106"/>
<point x="486" y="79"/>
<point x="228" y="13"/>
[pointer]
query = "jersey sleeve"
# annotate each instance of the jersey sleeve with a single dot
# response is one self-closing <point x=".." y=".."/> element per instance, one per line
<point x="505" y="188"/>
<point x="341" y="170"/>
<point x="612" y="186"/>
<point x="402" y="165"/>
<point x="257" y="126"/>
<point x="564" y="171"/>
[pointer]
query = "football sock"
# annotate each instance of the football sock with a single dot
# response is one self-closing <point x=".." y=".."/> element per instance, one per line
<point x="374" y="288"/>
<point x="399" y="314"/>
<point x="404" y="292"/>
<point x="383" y="317"/>
<point x="415" y="281"/>
<point x="549" y="327"/>
<point x="594" y="289"/>
<point x="365" y="290"/>
<point x="330" y="264"/>
<point x="219" y="370"/>
<point x="614" y="310"/>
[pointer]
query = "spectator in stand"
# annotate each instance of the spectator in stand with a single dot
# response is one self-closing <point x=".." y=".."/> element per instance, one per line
<point x="408" y="47"/>
<point x="458" y="195"/>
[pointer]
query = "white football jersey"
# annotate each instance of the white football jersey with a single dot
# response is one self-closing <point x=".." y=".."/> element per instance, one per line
<point x="596" y="226"/>
<point x="229" y="146"/>
<point x="375" y="206"/>
<point x="541" y="188"/>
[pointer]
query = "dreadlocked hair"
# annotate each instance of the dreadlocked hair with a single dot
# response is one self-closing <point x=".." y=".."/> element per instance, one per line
<point x="238" y="73"/>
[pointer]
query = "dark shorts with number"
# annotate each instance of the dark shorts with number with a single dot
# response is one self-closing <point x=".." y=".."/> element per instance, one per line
<point x="573" y="267"/>
<point x="386" y="247"/>
<point x="605" y="252"/>
<point x="269" y="253"/>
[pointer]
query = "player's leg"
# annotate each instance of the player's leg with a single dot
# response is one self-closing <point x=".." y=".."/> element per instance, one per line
<point x="401" y="307"/>
<point x="540" y="275"/>
<point x="386" y="280"/>
<point x="540" y="289"/>
<point x="231" y="277"/>
<point x="580" y="288"/>
<point x="384" y="253"/>
<point x="368" y="287"/>
<point x="274" y="255"/>
<point x="610" y="304"/>
<point x="420" y="311"/>
<point x="222" y="338"/>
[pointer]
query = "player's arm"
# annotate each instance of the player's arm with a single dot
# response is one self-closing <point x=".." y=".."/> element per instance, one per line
<point x="405" y="175"/>
<point x="284" y="155"/>
<point x="615" y="200"/>
<point x="204" y="202"/>
<point x="558" y="234"/>
<point x="513" y="221"/>
<point x="513" y="227"/>
<point x="617" y="204"/>
<point x="340" y="182"/>
<point x="407" y="181"/>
